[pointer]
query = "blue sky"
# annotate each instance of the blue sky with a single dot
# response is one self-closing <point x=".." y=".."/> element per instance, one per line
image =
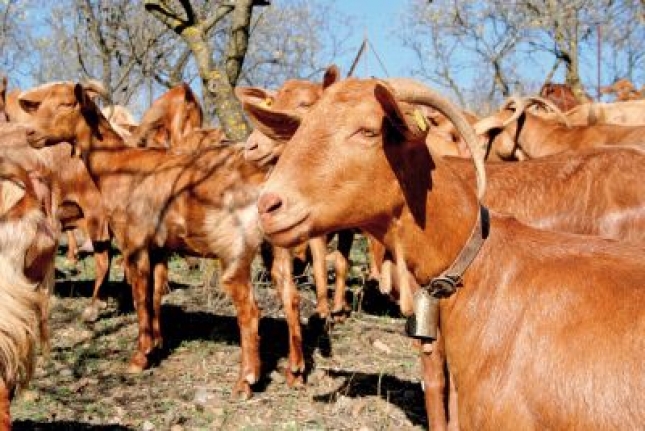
<point x="377" y="18"/>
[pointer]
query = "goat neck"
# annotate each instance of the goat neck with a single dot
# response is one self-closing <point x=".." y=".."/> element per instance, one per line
<point x="428" y="212"/>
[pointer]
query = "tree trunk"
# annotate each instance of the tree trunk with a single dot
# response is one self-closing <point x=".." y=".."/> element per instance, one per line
<point x="217" y="81"/>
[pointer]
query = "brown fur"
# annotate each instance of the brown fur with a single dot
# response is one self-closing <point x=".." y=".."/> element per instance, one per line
<point x="630" y="113"/>
<point x="168" y="119"/>
<point x="297" y="97"/>
<point x="539" y="137"/>
<point x="78" y="192"/>
<point x="575" y="300"/>
<point x="624" y="90"/>
<point x="561" y="95"/>
<point x="199" y="203"/>
<point x="27" y="247"/>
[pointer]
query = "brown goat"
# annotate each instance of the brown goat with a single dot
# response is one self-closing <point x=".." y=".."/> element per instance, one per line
<point x="624" y="90"/>
<point x="201" y="204"/>
<point x="629" y="113"/>
<point x="297" y="96"/>
<point x="618" y="210"/>
<point x="168" y="119"/>
<point x="81" y="205"/>
<point x="27" y="248"/>
<point x="561" y="95"/>
<point x="589" y="192"/>
<point x="535" y="136"/>
<point x="576" y="300"/>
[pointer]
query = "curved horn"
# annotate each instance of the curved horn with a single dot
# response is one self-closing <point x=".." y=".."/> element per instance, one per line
<point x="414" y="92"/>
<point x="536" y="100"/>
<point x="487" y="124"/>
<point x="518" y="105"/>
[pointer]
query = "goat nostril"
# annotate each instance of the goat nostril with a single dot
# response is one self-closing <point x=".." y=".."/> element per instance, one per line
<point x="268" y="203"/>
<point x="252" y="146"/>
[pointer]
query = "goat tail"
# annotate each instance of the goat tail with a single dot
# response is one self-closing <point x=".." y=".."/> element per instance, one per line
<point x="22" y="308"/>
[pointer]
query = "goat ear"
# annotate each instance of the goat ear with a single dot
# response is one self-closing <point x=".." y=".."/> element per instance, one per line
<point x="255" y="95"/>
<point x="332" y="75"/>
<point x="94" y="89"/>
<point x="404" y="124"/>
<point x="277" y="125"/>
<point x="81" y="96"/>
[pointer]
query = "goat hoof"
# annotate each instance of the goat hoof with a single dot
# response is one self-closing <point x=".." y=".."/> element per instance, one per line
<point x="242" y="391"/>
<point x="295" y="380"/>
<point x="90" y="314"/>
<point x="339" y="315"/>
<point x="138" y="363"/>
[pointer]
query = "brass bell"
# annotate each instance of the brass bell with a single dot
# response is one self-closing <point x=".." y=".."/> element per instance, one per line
<point x="424" y="322"/>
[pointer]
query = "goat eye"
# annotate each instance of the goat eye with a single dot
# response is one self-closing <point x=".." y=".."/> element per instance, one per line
<point x="369" y="133"/>
<point x="29" y="105"/>
<point x="305" y="105"/>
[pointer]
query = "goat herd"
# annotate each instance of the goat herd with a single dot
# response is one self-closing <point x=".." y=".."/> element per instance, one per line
<point x="525" y="281"/>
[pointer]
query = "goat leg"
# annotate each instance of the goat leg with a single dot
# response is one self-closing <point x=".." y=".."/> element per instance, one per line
<point x="282" y="273"/>
<point x="160" y="274"/>
<point x="138" y="270"/>
<point x="236" y="281"/>
<point x="102" y="267"/>
<point x="434" y="384"/>
<point x="5" y="413"/>
<point x="72" y="248"/>
<point x="318" y="248"/>
<point x="341" y="263"/>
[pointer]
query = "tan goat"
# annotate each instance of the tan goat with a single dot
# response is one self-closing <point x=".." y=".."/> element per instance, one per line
<point x="534" y="136"/>
<point x="81" y="205"/>
<point x="168" y="119"/>
<point x="27" y="248"/>
<point x="576" y="300"/>
<point x="297" y="97"/>
<point x="201" y="203"/>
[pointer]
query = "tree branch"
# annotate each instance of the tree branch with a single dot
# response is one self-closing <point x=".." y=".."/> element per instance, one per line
<point x="166" y="16"/>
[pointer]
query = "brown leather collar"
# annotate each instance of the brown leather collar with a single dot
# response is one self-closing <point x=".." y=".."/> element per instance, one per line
<point x="448" y="281"/>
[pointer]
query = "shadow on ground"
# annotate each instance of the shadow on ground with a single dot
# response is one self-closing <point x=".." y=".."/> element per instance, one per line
<point x="406" y="395"/>
<point x="64" y="426"/>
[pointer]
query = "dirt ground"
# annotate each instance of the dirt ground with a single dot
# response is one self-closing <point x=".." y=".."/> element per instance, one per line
<point x="362" y="375"/>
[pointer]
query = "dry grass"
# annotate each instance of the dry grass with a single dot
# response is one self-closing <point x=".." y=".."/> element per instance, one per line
<point x="363" y="375"/>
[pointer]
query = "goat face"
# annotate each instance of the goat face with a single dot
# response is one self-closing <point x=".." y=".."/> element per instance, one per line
<point x="59" y="112"/>
<point x="348" y="145"/>
<point x="295" y="97"/>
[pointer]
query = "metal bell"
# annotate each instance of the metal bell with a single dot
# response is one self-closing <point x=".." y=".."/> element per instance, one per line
<point x="424" y="322"/>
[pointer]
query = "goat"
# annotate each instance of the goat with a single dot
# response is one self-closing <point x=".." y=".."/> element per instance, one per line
<point x="588" y="192"/>
<point x="81" y="204"/>
<point x="526" y="290"/>
<point x="561" y="95"/>
<point x="27" y="248"/>
<point x="624" y="90"/>
<point x="629" y="113"/>
<point x="534" y="136"/>
<point x="201" y="203"/>
<point x="168" y="119"/>
<point x="298" y="96"/>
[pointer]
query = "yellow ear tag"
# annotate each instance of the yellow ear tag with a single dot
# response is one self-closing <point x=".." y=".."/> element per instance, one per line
<point x="268" y="102"/>
<point x="420" y="120"/>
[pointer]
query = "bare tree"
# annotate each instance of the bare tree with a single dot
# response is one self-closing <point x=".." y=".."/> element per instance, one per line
<point x="467" y="40"/>
<point x="183" y="19"/>
<point x="484" y="50"/>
